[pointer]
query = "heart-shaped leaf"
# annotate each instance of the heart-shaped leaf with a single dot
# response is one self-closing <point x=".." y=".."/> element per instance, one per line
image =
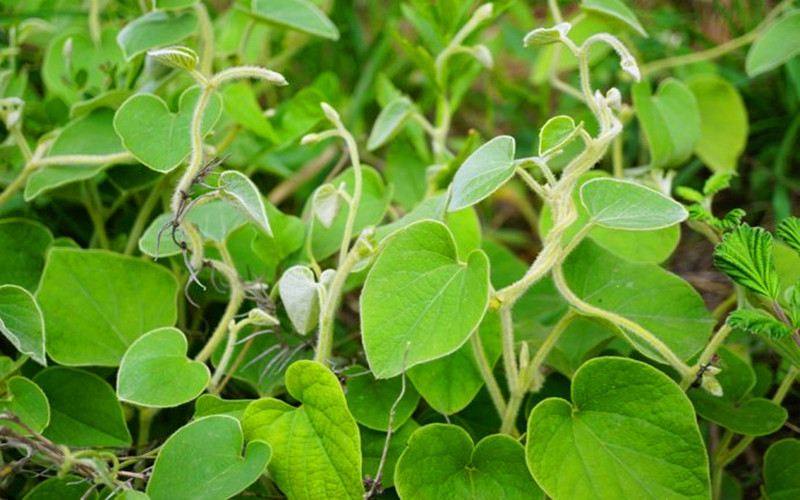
<point x="152" y="364"/>
<point x="556" y="133"/>
<point x="300" y="15"/>
<point x="636" y="246"/>
<point x="239" y="191"/>
<point x="371" y="400"/>
<point x="664" y="303"/>
<point x="209" y="404"/>
<point x="299" y="294"/>
<point x="732" y="410"/>
<point x="777" y="44"/>
<point x="723" y="122"/>
<point x="494" y="468"/>
<point x="155" y="29"/>
<point x="316" y="447"/>
<point x="483" y="172"/>
<point x="207" y="457"/>
<point x="614" y="9"/>
<point x="23" y="245"/>
<point x="27" y="401"/>
<point x="670" y="119"/>
<point x="447" y="394"/>
<point x="419" y="301"/>
<point x="21" y="322"/>
<point x="84" y="410"/>
<point x="619" y="204"/>
<point x="389" y="122"/>
<point x="782" y="470"/>
<point x="91" y="134"/>
<point x="155" y="136"/>
<point x="96" y="303"/>
<point x="630" y="432"/>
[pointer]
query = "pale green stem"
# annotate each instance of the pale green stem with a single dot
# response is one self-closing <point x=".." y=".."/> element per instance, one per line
<point x="508" y="425"/>
<point x="719" y="50"/>
<point x="331" y="305"/>
<point x="531" y="182"/>
<point x="486" y="373"/>
<point x="532" y="376"/>
<point x="144" y="214"/>
<point x="234" y="303"/>
<point x="616" y="157"/>
<point x="196" y="158"/>
<point x="552" y="5"/>
<point x="716" y="341"/>
<point x="94" y="22"/>
<point x="207" y="37"/>
<point x="357" y="188"/>
<point x="222" y="366"/>
<point x="95" y="207"/>
<point x="577" y="238"/>
<point x="509" y="353"/>
<point x="642" y="333"/>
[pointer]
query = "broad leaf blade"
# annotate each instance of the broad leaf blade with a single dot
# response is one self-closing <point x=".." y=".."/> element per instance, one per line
<point x="21" y="322"/>
<point x="631" y="433"/>
<point x="483" y="173"/>
<point x="238" y="190"/>
<point x="776" y="45"/>
<point x="419" y="302"/>
<point x="618" y="204"/>
<point x="155" y="29"/>
<point x="300" y="15"/>
<point x="389" y="122"/>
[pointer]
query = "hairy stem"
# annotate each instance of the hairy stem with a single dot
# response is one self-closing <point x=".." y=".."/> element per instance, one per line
<point x="486" y="373"/>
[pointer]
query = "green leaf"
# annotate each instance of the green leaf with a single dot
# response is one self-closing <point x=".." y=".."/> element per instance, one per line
<point x="619" y="204"/>
<point x="300" y="15"/>
<point x="617" y="10"/>
<point x="155" y="29"/>
<point x="91" y="134"/>
<point x="745" y="255"/>
<point x="441" y="461"/>
<point x="209" y="404"/>
<point x="175" y="4"/>
<point x="176" y="57"/>
<point x="96" y="304"/>
<point x="21" y="322"/>
<point x="216" y="220"/>
<point x="84" y="410"/>
<point x="300" y="295"/>
<point x="206" y="456"/>
<point x="420" y="302"/>
<point x="759" y="323"/>
<point x="782" y="470"/>
<point x="316" y="447"/>
<point x="670" y="119"/>
<point x="789" y="231"/>
<point x="155" y="136"/>
<point x="483" y="173"/>
<point x="630" y="432"/>
<point x="636" y="246"/>
<point x="68" y="487"/>
<point x="23" y="245"/>
<point x="776" y="45"/>
<point x="435" y="381"/>
<point x="654" y="298"/>
<point x="374" y="203"/>
<point x="242" y="106"/>
<point x="239" y="191"/>
<point x="151" y="366"/>
<point x="389" y="122"/>
<point x="732" y="410"/>
<point x="723" y="122"/>
<point x="372" y="444"/>
<point x="28" y="402"/>
<point x="547" y="36"/>
<point x="555" y="134"/>
<point x="370" y="400"/>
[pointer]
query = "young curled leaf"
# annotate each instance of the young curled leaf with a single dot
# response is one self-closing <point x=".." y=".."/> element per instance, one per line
<point x="546" y="36"/>
<point x="326" y="204"/>
<point x="745" y="255"/>
<point x="759" y="323"/>
<point x="239" y="191"/>
<point x="176" y="57"/>
<point x="789" y="231"/>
